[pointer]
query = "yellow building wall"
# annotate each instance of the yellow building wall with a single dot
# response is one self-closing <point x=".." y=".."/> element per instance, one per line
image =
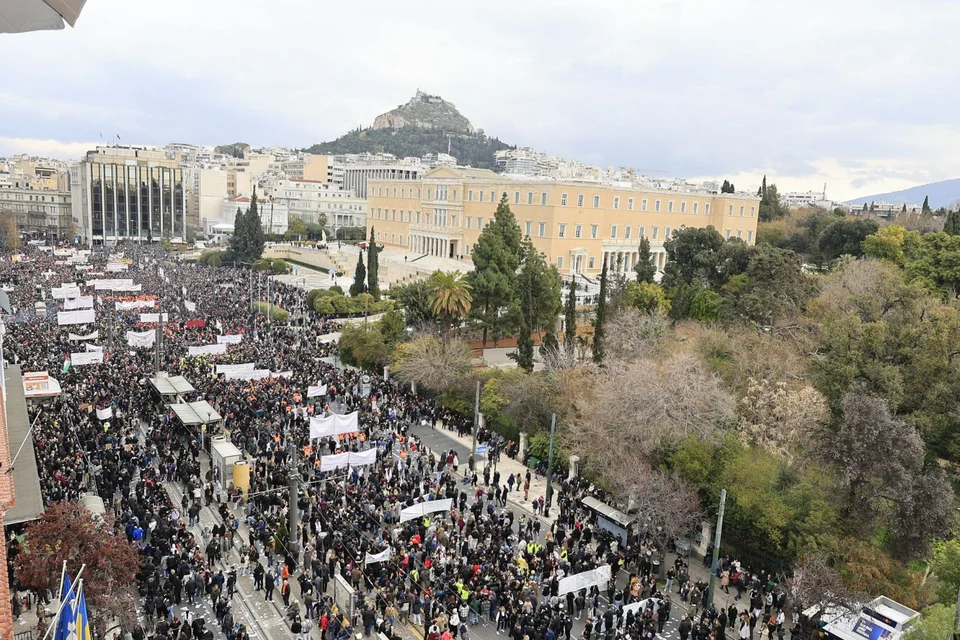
<point x="603" y="214"/>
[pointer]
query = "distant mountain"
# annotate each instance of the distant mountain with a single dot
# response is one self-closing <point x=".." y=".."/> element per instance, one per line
<point x="237" y="149"/>
<point x="425" y="124"/>
<point x="942" y="194"/>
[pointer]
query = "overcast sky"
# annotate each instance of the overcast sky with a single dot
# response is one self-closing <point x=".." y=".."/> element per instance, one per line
<point x="860" y="95"/>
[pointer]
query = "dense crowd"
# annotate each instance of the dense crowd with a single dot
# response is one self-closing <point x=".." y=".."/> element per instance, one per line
<point x="446" y="572"/>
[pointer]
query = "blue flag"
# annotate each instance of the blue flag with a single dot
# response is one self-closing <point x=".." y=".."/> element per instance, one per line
<point x="74" y="622"/>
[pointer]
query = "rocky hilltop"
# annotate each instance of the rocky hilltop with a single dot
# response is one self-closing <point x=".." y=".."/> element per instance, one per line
<point x="425" y="111"/>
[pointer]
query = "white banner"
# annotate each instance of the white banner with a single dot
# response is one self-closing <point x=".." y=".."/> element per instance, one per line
<point x="319" y="390"/>
<point x="153" y="317"/>
<point x="131" y="288"/>
<point x="230" y="339"/>
<point x="584" y="580"/>
<point x="141" y="338"/>
<point x="373" y="558"/>
<point x="639" y="606"/>
<point x="282" y="374"/>
<point x="253" y="374"/>
<point x="423" y="508"/>
<point x="230" y="368"/>
<point x="190" y="306"/>
<point x="117" y="266"/>
<point x="364" y="458"/>
<point x="105" y="414"/>
<point x="82" y="316"/>
<point x="92" y="357"/>
<point x="334" y="462"/>
<point x="136" y="304"/>
<point x="207" y="349"/>
<point x="89" y="336"/>
<point x="83" y="302"/>
<point x="93" y="347"/>
<point x="333" y="425"/>
<point x="62" y="293"/>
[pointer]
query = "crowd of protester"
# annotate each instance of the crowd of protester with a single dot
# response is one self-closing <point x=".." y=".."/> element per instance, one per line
<point x="481" y="563"/>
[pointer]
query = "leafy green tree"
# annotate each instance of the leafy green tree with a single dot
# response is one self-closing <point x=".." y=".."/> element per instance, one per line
<point x="692" y="257"/>
<point x="952" y="224"/>
<point x="706" y="306"/>
<point x="645" y="269"/>
<point x="933" y="261"/>
<point x="373" y="266"/>
<point x="359" y="277"/>
<point x="538" y="289"/>
<point x="644" y="296"/>
<point x="253" y="230"/>
<point x="945" y="563"/>
<point x="845" y="237"/>
<point x="549" y="344"/>
<point x="570" y="319"/>
<point x="936" y="623"/>
<point x="450" y="298"/>
<point x="772" y="286"/>
<point x="727" y="187"/>
<point x="363" y="346"/>
<point x="770" y="206"/>
<point x="601" y="317"/>
<point x="415" y="299"/>
<point x="496" y="256"/>
<point x="926" y="210"/>
<point x="239" y="241"/>
<point x="296" y="228"/>
<point x="524" y="353"/>
<point x="890" y="243"/>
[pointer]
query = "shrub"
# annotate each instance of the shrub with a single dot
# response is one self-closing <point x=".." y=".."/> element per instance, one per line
<point x="312" y="297"/>
<point x="261" y="265"/>
<point x="279" y="267"/>
<point x="214" y="260"/>
<point x="279" y="314"/>
<point x="337" y="289"/>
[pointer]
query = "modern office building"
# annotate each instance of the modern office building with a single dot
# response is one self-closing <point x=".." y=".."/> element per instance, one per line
<point x="577" y="225"/>
<point x="356" y="176"/>
<point x="128" y="193"/>
<point x="274" y="215"/>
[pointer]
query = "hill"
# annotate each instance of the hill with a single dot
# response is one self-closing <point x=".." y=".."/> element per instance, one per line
<point x="237" y="149"/>
<point x="424" y="124"/>
<point x="942" y="194"/>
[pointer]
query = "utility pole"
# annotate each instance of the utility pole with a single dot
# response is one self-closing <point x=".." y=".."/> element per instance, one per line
<point x="716" y="548"/>
<point x="156" y="342"/>
<point x="476" y="427"/>
<point x="549" y="496"/>
<point x="293" y="511"/>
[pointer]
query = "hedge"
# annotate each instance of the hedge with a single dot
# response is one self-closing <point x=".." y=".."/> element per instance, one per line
<point x="279" y="314"/>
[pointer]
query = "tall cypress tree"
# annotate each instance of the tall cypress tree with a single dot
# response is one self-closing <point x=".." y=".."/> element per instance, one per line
<point x="359" y="277"/>
<point x="645" y="268"/>
<point x="952" y="223"/>
<point x="524" y="353"/>
<point x="598" y="336"/>
<point x="496" y="257"/>
<point x="373" y="267"/>
<point x="927" y="211"/>
<point x="570" y="320"/>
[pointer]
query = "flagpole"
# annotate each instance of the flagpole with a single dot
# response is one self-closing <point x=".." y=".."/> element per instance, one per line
<point x="63" y="574"/>
<point x="63" y="600"/>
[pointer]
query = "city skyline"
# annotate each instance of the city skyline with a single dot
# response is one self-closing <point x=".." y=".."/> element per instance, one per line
<point x="806" y="96"/>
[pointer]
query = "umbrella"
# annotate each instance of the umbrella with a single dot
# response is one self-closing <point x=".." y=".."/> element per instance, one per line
<point x="20" y="16"/>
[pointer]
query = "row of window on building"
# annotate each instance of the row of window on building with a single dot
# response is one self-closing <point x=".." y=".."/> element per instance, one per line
<point x="443" y="192"/>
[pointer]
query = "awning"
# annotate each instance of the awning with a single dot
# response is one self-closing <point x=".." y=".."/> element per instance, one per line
<point x="26" y="479"/>
<point x="194" y="413"/>
<point x="171" y="386"/>
<point x="21" y="16"/>
<point x="607" y="511"/>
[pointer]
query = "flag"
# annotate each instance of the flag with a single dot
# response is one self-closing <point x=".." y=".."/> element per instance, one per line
<point x="66" y="365"/>
<point x="74" y="622"/>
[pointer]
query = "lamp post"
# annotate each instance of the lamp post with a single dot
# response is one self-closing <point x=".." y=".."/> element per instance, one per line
<point x="549" y="496"/>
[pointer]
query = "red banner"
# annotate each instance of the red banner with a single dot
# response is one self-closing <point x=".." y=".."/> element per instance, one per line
<point x="196" y="324"/>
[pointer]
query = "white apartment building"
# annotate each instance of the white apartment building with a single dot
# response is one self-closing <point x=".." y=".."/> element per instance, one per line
<point x="309" y="199"/>
<point x="274" y="215"/>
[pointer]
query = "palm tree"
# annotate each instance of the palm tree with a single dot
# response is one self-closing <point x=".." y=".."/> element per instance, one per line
<point x="450" y="297"/>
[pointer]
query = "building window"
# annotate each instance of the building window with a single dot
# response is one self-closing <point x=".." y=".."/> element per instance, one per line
<point x="403" y="193"/>
<point x="626" y="232"/>
<point x="629" y="204"/>
<point x="683" y="207"/>
<point x="529" y="197"/>
<point x="479" y="223"/>
<point x="493" y="196"/>
<point x="643" y="205"/>
<point x="728" y="234"/>
<point x="616" y="203"/>
<point x="562" y="231"/>
<point x="594" y="230"/>
<point x="753" y="211"/>
<point x="740" y="233"/>
<point x="481" y="196"/>
<point x="470" y="195"/>
<point x="453" y="221"/>
<point x="401" y="238"/>
<point x="559" y="262"/>
<point x="563" y="199"/>
<point x="454" y="194"/>
<point x="469" y="220"/>
<point x="578" y="231"/>
<point x="394" y="215"/>
<point x="418" y="217"/>
<point x="467" y="247"/>
<point x="749" y="236"/>
<point x="516" y="197"/>
<point x="666" y="236"/>
<point x="542" y="229"/>
<point x="613" y="231"/>
<point x="418" y="193"/>
<point x="670" y="206"/>
<point x="656" y="206"/>
<point x="641" y="232"/>
<point x="590" y="262"/>
<point x="706" y="209"/>
<point x="543" y="198"/>
<point x="655" y="231"/>
<point x="696" y="207"/>
<point x="730" y="210"/>
<point x="409" y="214"/>
<point x="741" y="211"/>
<point x="528" y="228"/>
<point x="596" y="202"/>
<point x="580" y="200"/>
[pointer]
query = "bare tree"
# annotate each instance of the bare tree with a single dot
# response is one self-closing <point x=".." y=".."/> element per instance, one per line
<point x="775" y="418"/>
<point x="633" y="334"/>
<point x="924" y="513"/>
<point x="431" y="362"/>
<point x="815" y="583"/>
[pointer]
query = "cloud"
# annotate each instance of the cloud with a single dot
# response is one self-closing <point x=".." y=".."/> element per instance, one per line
<point x="46" y="148"/>
<point x="695" y="87"/>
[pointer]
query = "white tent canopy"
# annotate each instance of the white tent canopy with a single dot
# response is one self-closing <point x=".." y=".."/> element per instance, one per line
<point x="21" y="16"/>
<point x="194" y="413"/>
<point x="171" y="386"/>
